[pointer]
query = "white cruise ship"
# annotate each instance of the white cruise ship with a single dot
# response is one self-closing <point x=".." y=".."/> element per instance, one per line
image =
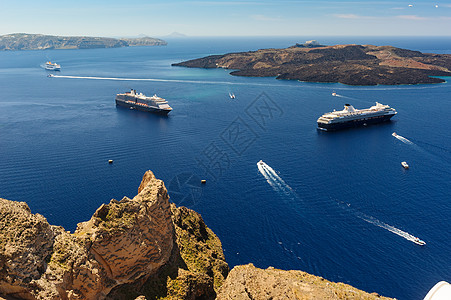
<point x="351" y="117"/>
<point x="140" y="101"/>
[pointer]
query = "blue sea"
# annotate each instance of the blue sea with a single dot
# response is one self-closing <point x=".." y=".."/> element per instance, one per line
<point x="334" y="204"/>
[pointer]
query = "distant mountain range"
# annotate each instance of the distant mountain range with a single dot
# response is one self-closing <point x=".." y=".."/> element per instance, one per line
<point x="175" y="35"/>
<point x="25" y="41"/>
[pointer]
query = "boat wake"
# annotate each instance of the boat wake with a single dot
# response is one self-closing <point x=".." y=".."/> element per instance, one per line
<point x="428" y="152"/>
<point x="350" y="98"/>
<point x="274" y="180"/>
<point x="378" y="223"/>
<point x="390" y="228"/>
<point x="402" y="139"/>
<point x="166" y="80"/>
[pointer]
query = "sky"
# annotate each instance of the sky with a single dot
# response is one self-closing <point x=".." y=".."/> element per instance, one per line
<point x="115" y="18"/>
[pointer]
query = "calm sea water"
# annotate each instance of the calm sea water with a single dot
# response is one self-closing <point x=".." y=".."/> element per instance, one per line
<point x="338" y="205"/>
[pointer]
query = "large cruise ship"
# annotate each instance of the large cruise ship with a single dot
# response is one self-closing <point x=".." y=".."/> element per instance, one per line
<point x="140" y="101"/>
<point x="351" y="117"/>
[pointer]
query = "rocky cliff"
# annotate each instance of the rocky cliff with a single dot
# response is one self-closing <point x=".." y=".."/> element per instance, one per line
<point x="248" y="282"/>
<point x="140" y="248"/>
<point x="348" y="64"/>
<point x="24" y="41"/>
<point x="132" y="247"/>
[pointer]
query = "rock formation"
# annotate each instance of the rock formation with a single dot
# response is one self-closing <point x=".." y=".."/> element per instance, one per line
<point x="348" y="64"/>
<point x="132" y="247"/>
<point x="248" y="282"/>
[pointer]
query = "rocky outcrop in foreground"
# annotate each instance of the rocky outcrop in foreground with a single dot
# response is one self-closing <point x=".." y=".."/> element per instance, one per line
<point x="248" y="282"/>
<point x="24" y="41"/>
<point x="140" y="248"/>
<point x="348" y="64"/>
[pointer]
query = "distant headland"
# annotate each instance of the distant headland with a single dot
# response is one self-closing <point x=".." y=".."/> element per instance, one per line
<point x="347" y="64"/>
<point x="25" y="41"/>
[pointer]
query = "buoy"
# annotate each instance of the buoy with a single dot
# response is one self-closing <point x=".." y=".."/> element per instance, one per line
<point x="203" y="181"/>
<point x="110" y="161"/>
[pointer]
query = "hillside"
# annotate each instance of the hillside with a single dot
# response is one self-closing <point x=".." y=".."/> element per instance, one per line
<point x="347" y="64"/>
<point x="24" y="41"/>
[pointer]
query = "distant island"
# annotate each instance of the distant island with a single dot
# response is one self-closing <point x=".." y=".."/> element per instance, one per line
<point x="347" y="64"/>
<point x="25" y="41"/>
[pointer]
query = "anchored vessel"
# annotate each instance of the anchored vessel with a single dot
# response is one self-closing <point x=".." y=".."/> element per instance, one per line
<point x="140" y="101"/>
<point x="351" y="117"/>
<point x="52" y="66"/>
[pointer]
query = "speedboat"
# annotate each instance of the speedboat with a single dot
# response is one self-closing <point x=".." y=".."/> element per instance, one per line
<point x="405" y="165"/>
<point x="52" y="66"/>
<point x="232" y="96"/>
<point x="419" y="242"/>
<point x="334" y="94"/>
<point x="50" y="75"/>
<point x="394" y="134"/>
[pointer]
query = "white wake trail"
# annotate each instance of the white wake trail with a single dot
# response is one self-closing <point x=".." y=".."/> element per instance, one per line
<point x="276" y="182"/>
<point x="350" y="98"/>
<point x="402" y="139"/>
<point x="376" y="222"/>
<point x="166" y="80"/>
<point x="385" y="226"/>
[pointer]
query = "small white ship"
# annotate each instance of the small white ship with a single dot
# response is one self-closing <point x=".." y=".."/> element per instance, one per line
<point x="52" y="66"/>
<point x="404" y="165"/>
<point x="351" y="117"/>
<point x="419" y="242"/>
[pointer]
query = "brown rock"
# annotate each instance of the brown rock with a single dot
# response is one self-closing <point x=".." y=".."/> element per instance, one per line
<point x="125" y="241"/>
<point x="133" y="248"/>
<point x="249" y="282"/>
<point x="191" y="286"/>
<point x="26" y="241"/>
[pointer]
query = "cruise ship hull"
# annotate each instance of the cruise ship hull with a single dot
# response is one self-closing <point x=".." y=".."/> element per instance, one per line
<point x="137" y="106"/>
<point x="354" y="123"/>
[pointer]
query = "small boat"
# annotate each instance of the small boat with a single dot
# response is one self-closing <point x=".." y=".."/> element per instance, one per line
<point x="50" y="75"/>
<point x="405" y="165"/>
<point x="334" y="94"/>
<point x="232" y="96"/>
<point x="419" y="242"/>
<point x="52" y="66"/>
<point x="394" y="134"/>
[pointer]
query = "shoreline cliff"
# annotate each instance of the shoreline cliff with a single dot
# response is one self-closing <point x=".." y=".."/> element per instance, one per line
<point x="139" y="248"/>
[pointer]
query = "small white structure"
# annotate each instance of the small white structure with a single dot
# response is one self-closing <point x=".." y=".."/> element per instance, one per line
<point x="312" y="43"/>
<point x="440" y="291"/>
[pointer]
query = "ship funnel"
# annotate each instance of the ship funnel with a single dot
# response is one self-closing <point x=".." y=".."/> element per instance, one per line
<point x="349" y="108"/>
